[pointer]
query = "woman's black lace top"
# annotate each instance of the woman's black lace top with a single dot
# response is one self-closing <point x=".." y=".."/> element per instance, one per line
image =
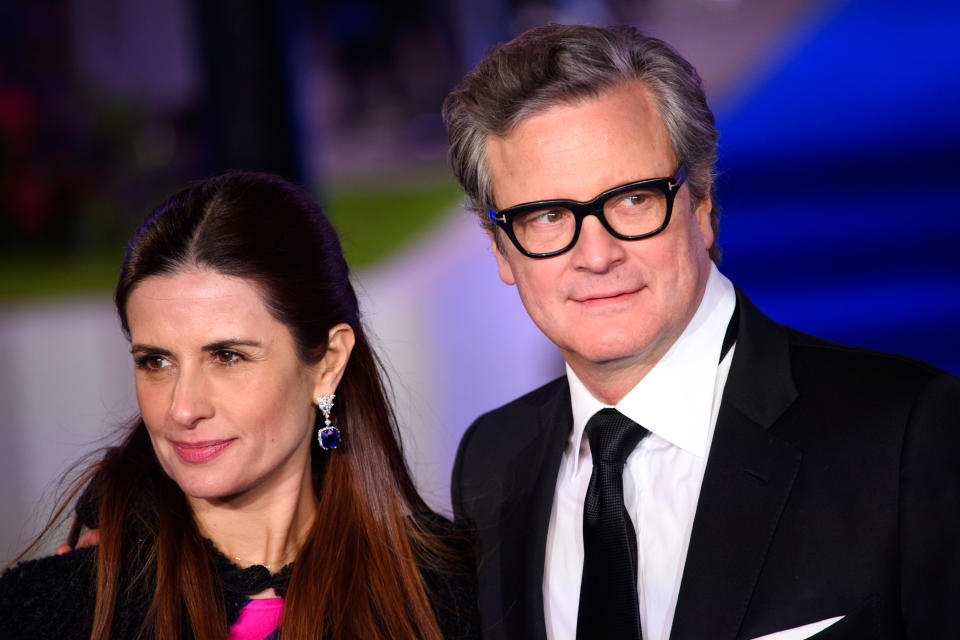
<point x="54" y="597"/>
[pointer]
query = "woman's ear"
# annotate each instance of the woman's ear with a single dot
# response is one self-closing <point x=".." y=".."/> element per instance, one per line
<point x="329" y="370"/>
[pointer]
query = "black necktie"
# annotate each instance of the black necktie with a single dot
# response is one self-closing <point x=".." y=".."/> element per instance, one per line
<point x="608" y="590"/>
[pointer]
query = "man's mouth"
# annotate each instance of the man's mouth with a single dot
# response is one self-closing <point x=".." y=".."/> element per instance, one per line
<point x="607" y="297"/>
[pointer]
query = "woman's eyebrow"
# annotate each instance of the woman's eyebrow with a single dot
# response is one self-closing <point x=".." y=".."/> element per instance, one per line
<point x="138" y="348"/>
<point x="227" y="344"/>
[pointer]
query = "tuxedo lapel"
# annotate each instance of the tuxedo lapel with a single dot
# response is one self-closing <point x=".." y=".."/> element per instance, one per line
<point x="534" y="472"/>
<point x="746" y="484"/>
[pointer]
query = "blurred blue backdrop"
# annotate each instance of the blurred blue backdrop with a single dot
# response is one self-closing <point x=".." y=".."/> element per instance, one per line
<point x="839" y="180"/>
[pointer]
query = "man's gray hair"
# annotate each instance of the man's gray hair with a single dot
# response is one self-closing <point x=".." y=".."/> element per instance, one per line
<point x="558" y="64"/>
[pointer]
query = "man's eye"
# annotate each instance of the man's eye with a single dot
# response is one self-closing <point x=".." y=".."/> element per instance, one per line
<point x="551" y="216"/>
<point x="636" y="199"/>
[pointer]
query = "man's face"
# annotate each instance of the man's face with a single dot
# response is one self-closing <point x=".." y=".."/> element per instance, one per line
<point x="607" y="303"/>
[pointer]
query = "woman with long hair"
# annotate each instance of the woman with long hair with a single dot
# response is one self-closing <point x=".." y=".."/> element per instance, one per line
<point x="263" y="480"/>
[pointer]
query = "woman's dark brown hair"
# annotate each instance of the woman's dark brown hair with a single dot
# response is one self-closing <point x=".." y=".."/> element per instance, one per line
<point x="356" y="575"/>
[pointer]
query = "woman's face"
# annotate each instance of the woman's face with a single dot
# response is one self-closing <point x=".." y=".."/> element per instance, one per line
<point x="226" y="400"/>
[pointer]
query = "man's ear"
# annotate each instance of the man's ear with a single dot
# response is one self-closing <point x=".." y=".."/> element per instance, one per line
<point x="329" y="371"/>
<point x="503" y="265"/>
<point x="702" y="213"/>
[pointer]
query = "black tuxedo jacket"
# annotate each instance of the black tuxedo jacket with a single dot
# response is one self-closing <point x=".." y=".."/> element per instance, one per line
<point x="832" y="488"/>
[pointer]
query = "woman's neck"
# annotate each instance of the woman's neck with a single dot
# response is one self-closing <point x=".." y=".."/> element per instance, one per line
<point x="265" y="526"/>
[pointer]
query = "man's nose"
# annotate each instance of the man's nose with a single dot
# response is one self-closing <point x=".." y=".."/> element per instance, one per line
<point x="596" y="249"/>
<point x="191" y="398"/>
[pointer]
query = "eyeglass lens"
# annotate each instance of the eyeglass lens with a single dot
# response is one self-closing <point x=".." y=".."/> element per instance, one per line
<point x="631" y="213"/>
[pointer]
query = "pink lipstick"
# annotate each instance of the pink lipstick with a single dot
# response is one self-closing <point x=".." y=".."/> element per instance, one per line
<point x="199" y="452"/>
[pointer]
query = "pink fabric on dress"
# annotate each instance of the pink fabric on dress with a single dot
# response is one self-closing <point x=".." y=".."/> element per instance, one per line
<point x="258" y="619"/>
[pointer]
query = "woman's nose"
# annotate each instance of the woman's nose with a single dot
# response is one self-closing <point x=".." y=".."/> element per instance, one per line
<point x="191" y="400"/>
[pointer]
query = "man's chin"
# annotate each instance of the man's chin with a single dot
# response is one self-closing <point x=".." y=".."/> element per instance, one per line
<point x="604" y="356"/>
<point x="616" y="353"/>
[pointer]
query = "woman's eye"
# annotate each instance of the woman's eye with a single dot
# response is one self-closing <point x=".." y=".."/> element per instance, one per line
<point x="152" y="363"/>
<point x="227" y="357"/>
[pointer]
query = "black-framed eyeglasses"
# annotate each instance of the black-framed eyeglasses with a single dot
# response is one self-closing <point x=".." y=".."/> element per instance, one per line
<point x="629" y="212"/>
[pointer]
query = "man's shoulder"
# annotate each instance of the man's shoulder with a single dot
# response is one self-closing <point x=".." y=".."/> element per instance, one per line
<point x="497" y="435"/>
<point x="814" y="356"/>
<point x="50" y="597"/>
<point x="532" y="401"/>
<point x="520" y="410"/>
<point x="850" y="380"/>
<point x="503" y="447"/>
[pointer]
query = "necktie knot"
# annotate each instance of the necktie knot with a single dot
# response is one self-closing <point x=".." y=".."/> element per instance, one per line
<point x="612" y="436"/>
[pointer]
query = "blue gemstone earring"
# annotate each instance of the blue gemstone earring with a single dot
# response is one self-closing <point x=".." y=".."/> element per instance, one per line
<point x="328" y="435"/>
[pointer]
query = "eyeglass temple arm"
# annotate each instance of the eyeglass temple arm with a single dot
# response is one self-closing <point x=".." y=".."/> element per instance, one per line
<point x="679" y="177"/>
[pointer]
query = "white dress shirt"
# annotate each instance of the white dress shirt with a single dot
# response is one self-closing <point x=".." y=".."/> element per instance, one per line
<point x="677" y="401"/>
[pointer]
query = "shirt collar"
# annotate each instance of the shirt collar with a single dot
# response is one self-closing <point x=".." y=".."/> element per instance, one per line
<point x="675" y="399"/>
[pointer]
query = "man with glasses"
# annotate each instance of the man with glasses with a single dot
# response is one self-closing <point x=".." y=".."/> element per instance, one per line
<point x="700" y="471"/>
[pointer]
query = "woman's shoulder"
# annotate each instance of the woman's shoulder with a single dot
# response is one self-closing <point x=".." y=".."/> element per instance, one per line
<point x="49" y="597"/>
<point x="439" y="525"/>
<point x="71" y="572"/>
<point x="447" y="568"/>
<point x="451" y="544"/>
